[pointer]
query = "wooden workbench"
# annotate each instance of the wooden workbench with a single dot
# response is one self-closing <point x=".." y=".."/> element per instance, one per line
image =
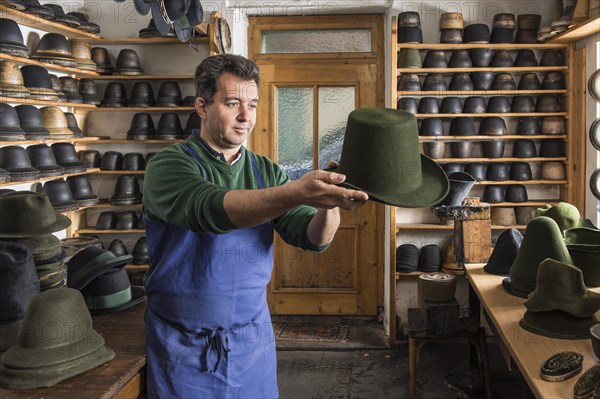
<point x="528" y="350"/>
<point x="121" y="377"/>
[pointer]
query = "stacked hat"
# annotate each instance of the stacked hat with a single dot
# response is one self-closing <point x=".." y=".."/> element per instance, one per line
<point x="66" y="156"/>
<point x="503" y="28"/>
<point x="37" y="80"/>
<point x="142" y="127"/>
<point x="72" y="245"/>
<point x="84" y="24"/>
<point x="407" y="258"/>
<point x="42" y="158"/>
<point x="128" y="63"/>
<point x="583" y="244"/>
<point x="80" y="50"/>
<point x="140" y="252"/>
<point x="11" y="81"/>
<point x="30" y="220"/>
<point x="44" y="354"/>
<point x="542" y="239"/>
<point x="127" y="191"/>
<point x="57" y="87"/>
<point x="169" y="126"/>
<point x="31" y="121"/>
<point x="142" y="95"/>
<point x="169" y="94"/>
<point x="89" y="91"/>
<point x="504" y="253"/>
<point x="10" y="127"/>
<point x="61" y="17"/>
<point x="567" y="216"/>
<point x="115" y="95"/>
<point x="430" y="258"/>
<point x="14" y="159"/>
<point x="451" y="27"/>
<point x="81" y="189"/>
<point x="409" y="27"/>
<point x="560" y="307"/>
<point x="528" y="26"/>
<point x="100" y="276"/>
<point x="56" y="122"/>
<point x="18" y="285"/>
<point x="11" y="39"/>
<point x="54" y="48"/>
<point x="102" y="59"/>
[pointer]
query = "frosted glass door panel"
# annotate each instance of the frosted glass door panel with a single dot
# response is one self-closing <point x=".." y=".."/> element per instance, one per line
<point x="295" y="118"/>
<point x="335" y="103"/>
<point x="316" y="41"/>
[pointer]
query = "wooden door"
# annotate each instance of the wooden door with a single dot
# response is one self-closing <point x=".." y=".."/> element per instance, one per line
<point x="347" y="278"/>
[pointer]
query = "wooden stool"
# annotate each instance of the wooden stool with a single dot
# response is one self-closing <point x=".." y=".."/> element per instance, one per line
<point x="418" y="336"/>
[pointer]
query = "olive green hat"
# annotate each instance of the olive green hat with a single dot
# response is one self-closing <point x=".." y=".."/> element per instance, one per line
<point x="583" y="244"/>
<point x="564" y="214"/>
<point x="380" y="156"/>
<point x="43" y="246"/>
<point x="56" y="341"/>
<point x="27" y="213"/>
<point x="542" y="239"/>
<point x="90" y="263"/>
<point x="560" y="306"/>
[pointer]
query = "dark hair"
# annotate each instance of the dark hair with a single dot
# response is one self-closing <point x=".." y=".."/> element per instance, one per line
<point x="210" y="70"/>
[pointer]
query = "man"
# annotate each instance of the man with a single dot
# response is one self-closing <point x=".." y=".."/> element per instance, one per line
<point x="211" y="207"/>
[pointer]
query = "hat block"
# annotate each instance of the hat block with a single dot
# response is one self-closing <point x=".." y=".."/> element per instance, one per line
<point x="43" y="360"/>
<point x="402" y="176"/>
<point x="542" y="239"/>
<point x="504" y="253"/>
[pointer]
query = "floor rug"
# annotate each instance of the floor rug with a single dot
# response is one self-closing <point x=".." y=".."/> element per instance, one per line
<point x="311" y="332"/>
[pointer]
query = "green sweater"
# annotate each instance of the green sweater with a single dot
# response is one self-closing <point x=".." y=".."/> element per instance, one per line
<point x="176" y="192"/>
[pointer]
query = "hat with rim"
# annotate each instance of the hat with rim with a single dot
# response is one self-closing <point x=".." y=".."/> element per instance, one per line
<point x="401" y="176"/>
<point x="566" y="215"/>
<point x="583" y="244"/>
<point x="504" y="253"/>
<point x="43" y="360"/>
<point x="27" y="214"/>
<point x="90" y="263"/>
<point x="111" y="292"/>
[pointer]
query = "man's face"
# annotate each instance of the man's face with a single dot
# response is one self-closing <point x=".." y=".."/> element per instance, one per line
<point x="229" y="120"/>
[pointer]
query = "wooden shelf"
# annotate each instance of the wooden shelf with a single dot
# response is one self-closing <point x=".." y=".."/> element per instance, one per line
<point x="577" y="32"/>
<point x="52" y="67"/>
<point x="124" y="141"/>
<point x="149" y="40"/>
<point x="502" y="137"/>
<point x="147" y="109"/>
<point x="43" y="102"/>
<point x="501" y="114"/>
<point x="416" y="274"/>
<point x="143" y="77"/>
<point x="120" y="172"/>
<point x="136" y="267"/>
<point x="14" y="183"/>
<point x="36" y="22"/>
<point x="525" y="182"/>
<point x="537" y="159"/>
<point x="105" y="203"/>
<point x="467" y="46"/>
<point x="81" y="140"/>
<point x="477" y="92"/>
<point x="450" y="71"/>
<point x="430" y="226"/>
<point x="89" y="230"/>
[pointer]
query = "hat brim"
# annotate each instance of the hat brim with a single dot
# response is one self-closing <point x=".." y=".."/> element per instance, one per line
<point x="137" y="296"/>
<point x="507" y="284"/>
<point x="557" y="324"/>
<point x="80" y="282"/>
<point x="61" y="223"/>
<point x="434" y="188"/>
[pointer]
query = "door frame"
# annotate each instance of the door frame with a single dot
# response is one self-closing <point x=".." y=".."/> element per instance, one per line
<point x="377" y="56"/>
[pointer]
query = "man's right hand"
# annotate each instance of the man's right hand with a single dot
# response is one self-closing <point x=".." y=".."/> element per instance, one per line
<point x="321" y="189"/>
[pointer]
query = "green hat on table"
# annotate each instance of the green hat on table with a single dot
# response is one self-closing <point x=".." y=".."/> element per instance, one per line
<point x="381" y="157"/>
<point x="583" y="244"/>
<point x="564" y="214"/>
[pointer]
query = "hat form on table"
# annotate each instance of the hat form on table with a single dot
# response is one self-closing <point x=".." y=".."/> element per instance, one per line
<point x="43" y="360"/>
<point x="564" y="214"/>
<point x="401" y="176"/>
<point x="542" y="239"/>
<point x="18" y="285"/>
<point x="504" y="253"/>
<point x="561" y="306"/>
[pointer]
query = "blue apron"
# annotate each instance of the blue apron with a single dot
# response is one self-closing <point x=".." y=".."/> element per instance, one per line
<point x="208" y="328"/>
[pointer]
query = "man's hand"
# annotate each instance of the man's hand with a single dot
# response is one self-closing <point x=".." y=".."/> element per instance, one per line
<point x="321" y="189"/>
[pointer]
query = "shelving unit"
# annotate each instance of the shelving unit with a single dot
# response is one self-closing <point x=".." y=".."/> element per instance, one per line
<point x="408" y="224"/>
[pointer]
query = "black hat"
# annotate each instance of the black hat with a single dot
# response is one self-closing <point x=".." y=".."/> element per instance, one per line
<point x="524" y="148"/>
<point x="169" y="126"/>
<point x="428" y="105"/>
<point x="497" y="171"/>
<point x="111" y="160"/>
<point x="523" y="104"/>
<point x="90" y="158"/>
<point x="481" y="57"/>
<point x="11" y="39"/>
<point x="493" y="193"/>
<point x="502" y="35"/>
<point x="60" y="16"/>
<point x="82" y="190"/>
<point x="410" y="35"/>
<point x="461" y="81"/>
<point x="451" y="105"/>
<point x="84" y="24"/>
<point x="54" y="48"/>
<point x="89" y="91"/>
<point x="128" y="63"/>
<point x="60" y="195"/>
<point x="504" y="253"/>
<point x="451" y="167"/>
<point x="460" y="59"/>
<point x="133" y="161"/>
<point x="482" y="80"/>
<point x="72" y="124"/>
<point x="434" y="82"/>
<point x="498" y="104"/>
<point x="520" y="171"/>
<point x="66" y="156"/>
<point x="142" y="95"/>
<point x="127" y="220"/>
<point x="476" y="169"/>
<point x="31" y="122"/>
<point x="102" y="59"/>
<point x="408" y="82"/>
<point x="117" y="247"/>
<point x="169" y="94"/>
<point x="407" y="258"/>
<point x="528" y="125"/>
<point x="10" y="129"/>
<point x="127" y="191"/>
<point x="430" y="258"/>
<point x="14" y="159"/>
<point x="526" y="58"/>
<point x="90" y="263"/>
<point x="502" y="59"/>
<point x="529" y="81"/>
<point x="516" y="193"/>
<point x="107" y="220"/>
<point x="192" y="123"/>
<point x="115" y="95"/>
<point x="474" y="105"/>
<point x="476" y="33"/>
<point x="140" y="252"/>
<point x="407" y="104"/>
<point x="42" y="158"/>
<point x="552" y="148"/>
<point x="111" y="292"/>
<point x="435" y="59"/>
<point x="504" y="81"/>
<point x="142" y="127"/>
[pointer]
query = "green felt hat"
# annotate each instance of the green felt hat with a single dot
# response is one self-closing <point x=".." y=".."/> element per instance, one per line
<point x="560" y="286"/>
<point x="380" y="156"/>
<point x="557" y="324"/>
<point x="26" y="214"/>
<point x="56" y="341"/>
<point x="583" y="244"/>
<point x="542" y="239"/>
<point x="43" y="246"/>
<point x="90" y="263"/>
<point x="564" y="214"/>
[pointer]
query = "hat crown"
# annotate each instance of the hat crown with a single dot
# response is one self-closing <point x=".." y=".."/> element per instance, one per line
<point x="564" y="214"/>
<point x="27" y="213"/>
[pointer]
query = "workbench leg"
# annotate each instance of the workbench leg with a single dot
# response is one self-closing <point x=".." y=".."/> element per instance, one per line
<point x="487" y="376"/>
<point x="412" y="365"/>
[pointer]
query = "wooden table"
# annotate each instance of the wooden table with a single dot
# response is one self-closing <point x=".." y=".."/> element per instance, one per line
<point x="526" y="349"/>
<point x="121" y="377"/>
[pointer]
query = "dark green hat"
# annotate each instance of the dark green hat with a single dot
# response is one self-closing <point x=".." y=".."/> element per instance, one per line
<point x="542" y="239"/>
<point x="43" y="246"/>
<point x="111" y="292"/>
<point x="564" y="214"/>
<point x="583" y="244"/>
<point x="560" y="286"/>
<point x="380" y="156"/>
<point x="56" y="341"/>
<point x="557" y="324"/>
<point x="26" y="214"/>
<point x="90" y="263"/>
